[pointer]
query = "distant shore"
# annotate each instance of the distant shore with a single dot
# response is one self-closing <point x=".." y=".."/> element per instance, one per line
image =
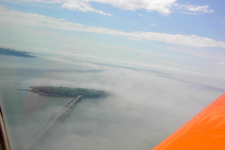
<point x="13" y="52"/>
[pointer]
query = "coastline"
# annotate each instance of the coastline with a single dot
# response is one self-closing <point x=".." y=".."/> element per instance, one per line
<point x="35" y="90"/>
<point x="51" y="91"/>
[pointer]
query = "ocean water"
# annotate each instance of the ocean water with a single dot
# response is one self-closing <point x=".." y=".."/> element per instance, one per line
<point x="145" y="105"/>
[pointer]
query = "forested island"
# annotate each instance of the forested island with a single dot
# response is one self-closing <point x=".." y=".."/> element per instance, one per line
<point x="13" y="52"/>
<point x="68" y="92"/>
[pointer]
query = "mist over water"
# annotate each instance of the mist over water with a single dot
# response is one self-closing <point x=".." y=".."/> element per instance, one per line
<point x="145" y="105"/>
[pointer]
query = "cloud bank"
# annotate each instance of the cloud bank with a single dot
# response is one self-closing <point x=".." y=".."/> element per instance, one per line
<point x="35" y="20"/>
<point x="164" y="7"/>
<point x="144" y="107"/>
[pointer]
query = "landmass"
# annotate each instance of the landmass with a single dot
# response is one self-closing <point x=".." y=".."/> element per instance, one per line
<point x="68" y="92"/>
<point x="13" y="52"/>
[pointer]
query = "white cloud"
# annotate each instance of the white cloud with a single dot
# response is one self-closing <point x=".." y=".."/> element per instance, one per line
<point x="152" y="25"/>
<point x="191" y="9"/>
<point x="203" y="9"/>
<point x="41" y="1"/>
<point x="22" y="18"/>
<point x="135" y="39"/>
<point x="164" y="7"/>
<point x="161" y="6"/>
<point x="81" y="6"/>
<point x="221" y="63"/>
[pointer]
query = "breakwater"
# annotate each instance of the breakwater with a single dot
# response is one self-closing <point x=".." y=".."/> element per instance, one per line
<point x="52" y="124"/>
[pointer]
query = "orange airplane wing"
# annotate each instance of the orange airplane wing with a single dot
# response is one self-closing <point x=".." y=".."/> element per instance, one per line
<point x="206" y="131"/>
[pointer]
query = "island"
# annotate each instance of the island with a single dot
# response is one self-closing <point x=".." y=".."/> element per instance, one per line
<point x="13" y="52"/>
<point x="68" y="92"/>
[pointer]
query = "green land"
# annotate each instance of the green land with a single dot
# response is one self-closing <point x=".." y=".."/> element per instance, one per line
<point x="68" y="92"/>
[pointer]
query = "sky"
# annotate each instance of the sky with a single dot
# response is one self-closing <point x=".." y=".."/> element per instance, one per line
<point x="163" y="61"/>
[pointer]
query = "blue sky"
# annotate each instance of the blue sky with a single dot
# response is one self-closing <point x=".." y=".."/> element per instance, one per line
<point x="177" y="22"/>
<point x="188" y="33"/>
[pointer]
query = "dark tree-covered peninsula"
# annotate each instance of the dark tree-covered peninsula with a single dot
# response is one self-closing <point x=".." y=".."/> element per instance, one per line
<point x="12" y="52"/>
<point x="68" y="92"/>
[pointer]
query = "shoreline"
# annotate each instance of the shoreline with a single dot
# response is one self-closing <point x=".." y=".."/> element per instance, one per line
<point x="44" y="94"/>
<point x="51" y="91"/>
<point x="47" y="94"/>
